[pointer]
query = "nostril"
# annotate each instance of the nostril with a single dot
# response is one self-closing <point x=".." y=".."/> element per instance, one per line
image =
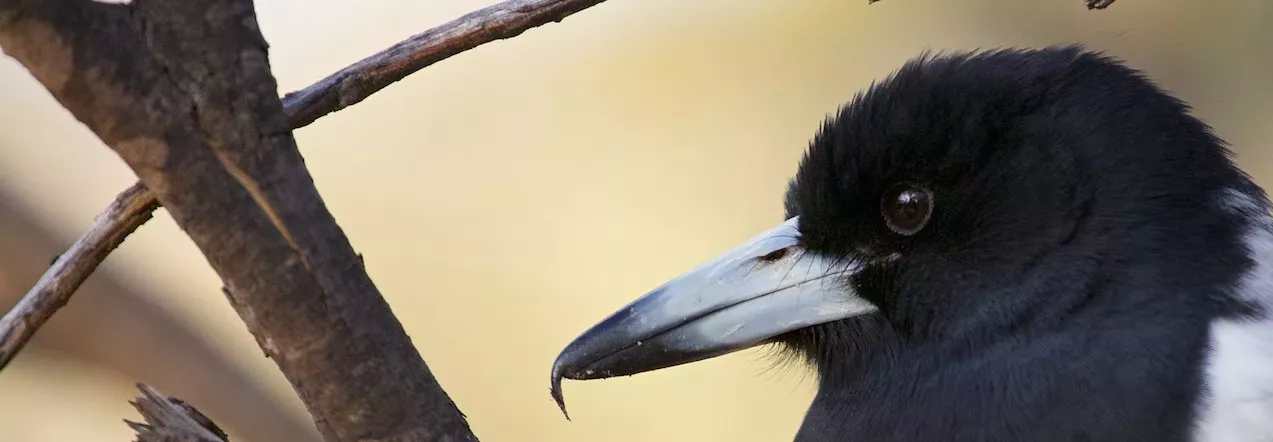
<point x="774" y="255"/>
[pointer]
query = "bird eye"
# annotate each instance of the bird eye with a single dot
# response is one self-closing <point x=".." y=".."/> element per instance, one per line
<point x="906" y="208"/>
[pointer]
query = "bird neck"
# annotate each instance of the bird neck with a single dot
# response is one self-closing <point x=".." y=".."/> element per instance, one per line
<point x="1120" y="342"/>
<point x="1013" y="389"/>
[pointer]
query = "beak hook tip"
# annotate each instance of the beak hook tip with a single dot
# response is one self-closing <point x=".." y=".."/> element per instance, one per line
<point x="555" y="390"/>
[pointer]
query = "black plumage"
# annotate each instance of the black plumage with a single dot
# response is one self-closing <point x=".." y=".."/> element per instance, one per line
<point x="1082" y="236"/>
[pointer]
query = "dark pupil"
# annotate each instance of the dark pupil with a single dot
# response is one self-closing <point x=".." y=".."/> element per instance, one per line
<point x="909" y="208"/>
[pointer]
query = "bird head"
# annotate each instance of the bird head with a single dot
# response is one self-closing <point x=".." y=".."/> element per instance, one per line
<point x="966" y="199"/>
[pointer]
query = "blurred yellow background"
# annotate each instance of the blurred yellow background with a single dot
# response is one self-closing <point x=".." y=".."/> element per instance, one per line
<point x="509" y="197"/>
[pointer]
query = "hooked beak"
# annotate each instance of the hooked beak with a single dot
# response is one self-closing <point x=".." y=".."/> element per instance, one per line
<point x="766" y="287"/>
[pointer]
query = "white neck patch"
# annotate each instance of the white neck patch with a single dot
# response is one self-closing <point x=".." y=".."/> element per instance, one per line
<point x="1238" y="402"/>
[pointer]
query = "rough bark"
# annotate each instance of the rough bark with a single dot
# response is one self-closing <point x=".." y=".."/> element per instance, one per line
<point x="182" y="91"/>
<point x="334" y="92"/>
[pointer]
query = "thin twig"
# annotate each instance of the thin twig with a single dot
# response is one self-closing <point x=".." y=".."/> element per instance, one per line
<point x="358" y="81"/>
<point x="1098" y="4"/>
<point x="346" y="87"/>
<point x="126" y="213"/>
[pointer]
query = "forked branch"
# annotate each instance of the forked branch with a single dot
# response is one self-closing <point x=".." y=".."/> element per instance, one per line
<point x="182" y="91"/>
<point x="346" y="87"/>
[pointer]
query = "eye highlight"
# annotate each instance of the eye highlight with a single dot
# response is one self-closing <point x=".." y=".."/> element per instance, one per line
<point x="906" y="208"/>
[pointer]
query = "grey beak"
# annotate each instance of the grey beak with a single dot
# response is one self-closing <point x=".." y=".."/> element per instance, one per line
<point x="766" y="287"/>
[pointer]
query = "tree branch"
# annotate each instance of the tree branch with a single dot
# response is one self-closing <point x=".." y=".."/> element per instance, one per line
<point x="126" y="213"/>
<point x="182" y="91"/>
<point x="171" y="420"/>
<point x="355" y="83"/>
<point x="1098" y="4"/>
<point x="337" y="91"/>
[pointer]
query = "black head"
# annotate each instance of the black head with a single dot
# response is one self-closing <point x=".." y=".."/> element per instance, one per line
<point x="1045" y="169"/>
<point x="970" y="203"/>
